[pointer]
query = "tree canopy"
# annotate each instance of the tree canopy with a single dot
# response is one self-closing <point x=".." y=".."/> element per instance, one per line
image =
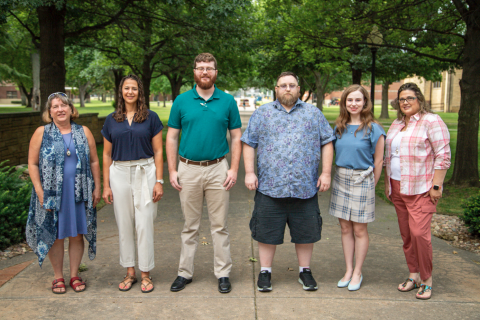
<point x="326" y="43"/>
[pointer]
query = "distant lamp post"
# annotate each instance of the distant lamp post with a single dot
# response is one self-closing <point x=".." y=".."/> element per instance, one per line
<point x="374" y="40"/>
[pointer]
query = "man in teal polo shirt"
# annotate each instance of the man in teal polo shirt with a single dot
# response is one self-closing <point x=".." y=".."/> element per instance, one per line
<point x="204" y="114"/>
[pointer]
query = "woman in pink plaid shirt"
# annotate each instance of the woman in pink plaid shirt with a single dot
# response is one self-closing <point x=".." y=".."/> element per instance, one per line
<point x="417" y="158"/>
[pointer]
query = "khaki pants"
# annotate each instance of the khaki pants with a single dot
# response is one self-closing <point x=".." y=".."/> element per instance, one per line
<point x="198" y="182"/>
<point x="132" y="185"/>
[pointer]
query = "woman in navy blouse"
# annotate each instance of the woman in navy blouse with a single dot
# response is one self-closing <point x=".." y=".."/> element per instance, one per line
<point x="133" y="177"/>
<point x="359" y="158"/>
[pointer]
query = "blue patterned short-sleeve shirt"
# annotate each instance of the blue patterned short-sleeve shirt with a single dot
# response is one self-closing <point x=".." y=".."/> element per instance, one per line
<point x="289" y="148"/>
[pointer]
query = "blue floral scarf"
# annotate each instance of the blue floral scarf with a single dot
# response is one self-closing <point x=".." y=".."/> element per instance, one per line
<point x="42" y="224"/>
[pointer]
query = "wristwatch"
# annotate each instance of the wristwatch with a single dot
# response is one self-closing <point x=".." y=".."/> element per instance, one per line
<point x="436" y="187"/>
<point x="161" y="181"/>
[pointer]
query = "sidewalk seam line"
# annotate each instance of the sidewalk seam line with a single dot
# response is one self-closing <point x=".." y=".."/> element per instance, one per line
<point x="253" y="274"/>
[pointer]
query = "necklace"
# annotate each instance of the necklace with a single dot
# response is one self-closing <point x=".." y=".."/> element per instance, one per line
<point x="68" y="148"/>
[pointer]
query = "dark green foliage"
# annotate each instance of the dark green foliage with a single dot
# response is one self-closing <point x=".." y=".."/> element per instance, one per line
<point x="471" y="214"/>
<point x="14" y="203"/>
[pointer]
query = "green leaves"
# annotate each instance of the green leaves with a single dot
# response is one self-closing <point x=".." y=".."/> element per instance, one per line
<point x="15" y="195"/>
<point x="471" y="214"/>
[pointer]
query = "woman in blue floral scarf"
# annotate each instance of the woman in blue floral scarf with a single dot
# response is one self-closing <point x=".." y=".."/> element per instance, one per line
<point x="65" y="171"/>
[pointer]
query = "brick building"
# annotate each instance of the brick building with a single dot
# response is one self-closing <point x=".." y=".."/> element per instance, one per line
<point x="8" y="92"/>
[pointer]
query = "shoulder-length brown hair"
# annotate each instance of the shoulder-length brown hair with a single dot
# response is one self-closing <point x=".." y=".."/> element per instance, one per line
<point x="424" y="106"/>
<point x="366" y="115"/>
<point x="142" y="110"/>
<point x="46" y="114"/>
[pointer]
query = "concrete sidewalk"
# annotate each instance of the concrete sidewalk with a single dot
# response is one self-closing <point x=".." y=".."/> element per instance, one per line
<point x="456" y="276"/>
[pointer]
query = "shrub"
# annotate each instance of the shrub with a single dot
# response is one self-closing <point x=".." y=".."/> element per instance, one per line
<point x="16" y="102"/>
<point x="15" y="195"/>
<point x="471" y="214"/>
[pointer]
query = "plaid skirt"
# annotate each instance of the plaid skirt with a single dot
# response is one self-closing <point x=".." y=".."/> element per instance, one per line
<point x="353" y="195"/>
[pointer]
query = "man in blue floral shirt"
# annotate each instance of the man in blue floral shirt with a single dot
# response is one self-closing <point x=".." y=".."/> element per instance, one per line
<point x="291" y="136"/>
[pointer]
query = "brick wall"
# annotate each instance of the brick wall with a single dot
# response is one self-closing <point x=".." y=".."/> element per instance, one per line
<point x="4" y="88"/>
<point x="16" y="130"/>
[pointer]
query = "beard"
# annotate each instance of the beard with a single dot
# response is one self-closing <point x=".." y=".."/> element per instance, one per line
<point x="288" y="99"/>
<point x="205" y="85"/>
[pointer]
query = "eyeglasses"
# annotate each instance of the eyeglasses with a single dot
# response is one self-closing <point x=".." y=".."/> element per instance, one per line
<point x="409" y="99"/>
<point x="60" y="93"/>
<point x="284" y="86"/>
<point x="202" y="69"/>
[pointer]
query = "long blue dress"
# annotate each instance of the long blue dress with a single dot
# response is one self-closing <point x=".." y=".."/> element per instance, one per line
<point x="72" y="219"/>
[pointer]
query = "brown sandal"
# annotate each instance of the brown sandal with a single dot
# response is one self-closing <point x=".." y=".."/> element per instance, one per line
<point x="55" y="285"/>
<point x="149" y="282"/>
<point x="126" y="281"/>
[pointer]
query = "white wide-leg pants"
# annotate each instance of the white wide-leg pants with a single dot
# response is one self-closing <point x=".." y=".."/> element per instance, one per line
<point x="132" y="185"/>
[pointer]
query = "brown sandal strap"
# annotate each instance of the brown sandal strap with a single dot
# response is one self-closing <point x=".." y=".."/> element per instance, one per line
<point x="149" y="282"/>
<point x="128" y="277"/>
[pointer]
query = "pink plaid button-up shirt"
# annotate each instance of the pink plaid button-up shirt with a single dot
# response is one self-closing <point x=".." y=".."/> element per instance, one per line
<point x="425" y="146"/>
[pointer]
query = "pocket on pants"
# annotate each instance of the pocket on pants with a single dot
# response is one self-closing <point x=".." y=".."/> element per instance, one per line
<point x="429" y="208"/>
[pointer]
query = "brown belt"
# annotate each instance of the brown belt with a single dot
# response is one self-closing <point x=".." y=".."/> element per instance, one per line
<point x="202" y="163"/>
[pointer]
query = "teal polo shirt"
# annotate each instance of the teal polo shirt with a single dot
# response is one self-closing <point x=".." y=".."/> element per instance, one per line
<point x="204" y="124"/>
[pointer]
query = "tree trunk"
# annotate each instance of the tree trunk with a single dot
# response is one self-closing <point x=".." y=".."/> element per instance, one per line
<point x="320" y="85"/>
<point x="52" y="51"/>
<point x="465" y="171"/>
<point x="164" y="100"/>
<point x="302" y="92"/>
<point x="23" y="98"/>
<point x="36" y="81"/>
<point x="147" y="69"/>
<point x="82" y="92"/>
<point x="356" y="76"/>
<point x="384" y="113"/>
<point x="176" y="82"/>
<point x="26" y="94"/>
<point x="147" y="79"/>
<point x="308" y="96"/>
<point x="118" y="75"/>
<point x="104" y="97"/>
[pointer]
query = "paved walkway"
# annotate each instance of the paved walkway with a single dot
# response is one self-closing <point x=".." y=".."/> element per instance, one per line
<point x="456" y="276"/>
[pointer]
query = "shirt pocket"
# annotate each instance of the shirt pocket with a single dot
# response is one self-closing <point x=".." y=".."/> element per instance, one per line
<point x="419" y="143"/>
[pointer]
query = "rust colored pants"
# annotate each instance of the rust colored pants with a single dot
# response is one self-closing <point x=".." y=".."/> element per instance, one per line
<point x="414" y="218"/>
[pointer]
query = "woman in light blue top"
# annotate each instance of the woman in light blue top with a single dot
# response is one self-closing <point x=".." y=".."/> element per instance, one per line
<point x="359" y="158"/>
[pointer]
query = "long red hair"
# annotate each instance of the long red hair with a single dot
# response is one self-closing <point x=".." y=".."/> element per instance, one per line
<point x="366" y="115"/>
